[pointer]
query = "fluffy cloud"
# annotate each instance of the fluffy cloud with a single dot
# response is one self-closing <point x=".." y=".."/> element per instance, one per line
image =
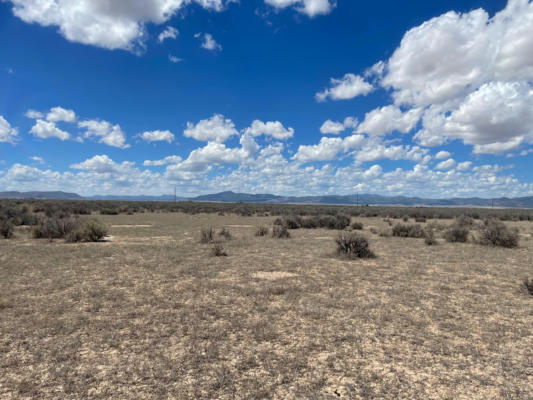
<point x="334" y="127"/>
<point x="169" y="33"/>
<point x="101" y="164"/>
<point x="47" y="129"/>
<point x="164" y="161"/>
<point x="109" y="134"/>
<point x="327" y="149"/>
<point x="373" y="151"/>
<point x="464" y="166"/>
<point x="387" y="119"/>
<point x="216" y="129"/>
<point x="34" y="114"/>
<point x="37" y="159"/>
<point x="441" y="155"/>
<point x="348" y="87"/>
<point x="104" y="23"/>
<point x="271" y="128"/>
<point x="448" y="164"/>
<point x="7" y="133"/>
<point x="311" y="8"/>
<point x="208" y="42"/>
<point x="157" y="136"/>
<point x="58" y="114"/>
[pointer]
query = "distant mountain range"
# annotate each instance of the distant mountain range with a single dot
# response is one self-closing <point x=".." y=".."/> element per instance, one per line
<point x="231" y="197"/>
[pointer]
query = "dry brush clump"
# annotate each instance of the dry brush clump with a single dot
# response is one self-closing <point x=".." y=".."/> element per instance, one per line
<point x="408" y="231"/>
<point x="6" y="228"/>
<point x="353" y="245"/>
<point x="496" y="233"/>
<point x="429" y="236"/>
<point x="280" y="232"/>
<point x="262" y="231"/>
<point x="357" y="225"/>
<point x="207" y="235"/>
<point x="528" y="285"/>
<point x="218" y="251"/>
<point x="459" y="230"/>
<point x="71" y="229"/>
<point x="226" y="234"/>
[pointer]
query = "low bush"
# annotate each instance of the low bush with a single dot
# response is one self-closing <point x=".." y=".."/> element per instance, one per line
<point x="410" y="231"/>
<point x="280" y="232"/>
<point x="93" y="230"/>
<point x="357" y="225"/>
<point x="109" y="211"/>
<point x="207" y="235"/>
<point x="261" y="231"/>
<point x="54" y="227"/>
<point x="6" y="228"/>
<point x="386" y="232"/>
<point x="429" y="236"/>
<point x="496" y="233"/>
<point x="457" y="234"/>
<point x="353" y="245"/>
<point x="420" y="219"/>
<point x="218" y="251"/>
<point x="225" y="234"/>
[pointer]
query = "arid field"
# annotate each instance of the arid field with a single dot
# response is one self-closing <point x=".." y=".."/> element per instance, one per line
<point x="151" y="314"/>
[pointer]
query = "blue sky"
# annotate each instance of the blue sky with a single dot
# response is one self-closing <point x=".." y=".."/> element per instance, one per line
<point x="293" y="97"/>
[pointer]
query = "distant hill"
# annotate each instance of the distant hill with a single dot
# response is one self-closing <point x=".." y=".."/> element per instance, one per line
<point x="40" y="195"/>
<point x="232" y="197"/>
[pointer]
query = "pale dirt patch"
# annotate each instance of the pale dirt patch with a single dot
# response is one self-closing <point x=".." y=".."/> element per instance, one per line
<point x="273" y="275"/>
<point x="322" y="237"/>
<point x="240" y="226"/>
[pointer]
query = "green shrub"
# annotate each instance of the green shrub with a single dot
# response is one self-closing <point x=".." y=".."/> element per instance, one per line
<point x="207" y="235"/>
<point x="495" y="233"/>
<point x="262" y="231"/>
<point x="357" y="225"/>
<point x="351" y="244"/>
<point x="280" y="232"/>
<point x="6" y="228"/>
<point x="410" y="231"/>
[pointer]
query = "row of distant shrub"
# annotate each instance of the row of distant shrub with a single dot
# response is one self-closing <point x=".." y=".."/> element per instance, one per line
<point x="490" y="232"/>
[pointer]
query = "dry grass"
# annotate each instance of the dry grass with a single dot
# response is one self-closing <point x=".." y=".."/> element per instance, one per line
<point x="149" y="314"/>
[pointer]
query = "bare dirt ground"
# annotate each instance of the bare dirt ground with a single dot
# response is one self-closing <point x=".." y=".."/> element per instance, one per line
<point x="150" y="314"/>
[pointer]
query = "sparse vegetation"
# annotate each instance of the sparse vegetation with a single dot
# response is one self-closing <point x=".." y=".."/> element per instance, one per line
<point x="351" y="244"/>
<point x="429" y="236"/>
<point x="408" y="231"/>
<point x="207" y="235"/>
<point x="357" y="225"/>
<point x="262" y="231"/>
<point x="280" y="232"/>
<point x="495" y="233"/>
<point x="226" y="234"/>
<point x="6" y="228"/>
<point x="457" y="233"/>
<point x="218" y="251"/>
<point x="153" y="307"/>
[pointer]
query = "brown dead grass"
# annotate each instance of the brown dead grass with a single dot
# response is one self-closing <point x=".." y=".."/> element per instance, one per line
<point x="149" y="314"/>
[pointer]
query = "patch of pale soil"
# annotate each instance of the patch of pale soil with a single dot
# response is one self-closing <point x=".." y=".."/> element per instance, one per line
<point x="131" y="226"/>
<point x="273" y="275"/>
<point x="240" y="226"/>
<point x="322" y="237"/>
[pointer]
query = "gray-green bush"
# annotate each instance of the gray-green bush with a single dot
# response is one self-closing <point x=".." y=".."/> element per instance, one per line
<point x="353" y="245"/>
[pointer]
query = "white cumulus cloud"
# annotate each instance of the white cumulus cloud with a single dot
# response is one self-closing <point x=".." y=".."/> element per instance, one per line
<point x="107" y="133"/>
<point x="334" y="127"/>
<point x="8" y="134"/>
<point x="217" y="129"/>
<point x="169" y="33"/>
<point x="348" y="87"/>
<point x="208" y="42"/>
<point x="270" y="128"/>
<point x="157" y="136"/>
<point x="311" y="8"/>
<point x="47" y="129"/>
<point x="58" y="114"/>
<point x="387" y="119"/>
